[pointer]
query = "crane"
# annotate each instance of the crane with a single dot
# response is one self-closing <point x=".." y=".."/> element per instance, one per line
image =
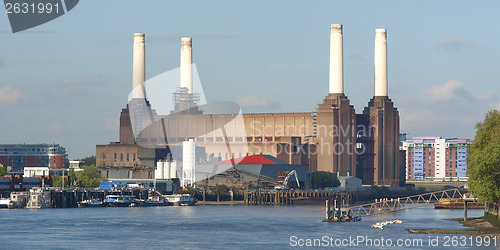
<point x="285" y="182"/>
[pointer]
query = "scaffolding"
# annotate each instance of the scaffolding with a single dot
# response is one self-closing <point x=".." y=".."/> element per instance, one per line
<point x="186" y="102"/>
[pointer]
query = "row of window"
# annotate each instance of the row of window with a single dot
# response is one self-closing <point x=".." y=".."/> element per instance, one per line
<point x="121" y="156"/>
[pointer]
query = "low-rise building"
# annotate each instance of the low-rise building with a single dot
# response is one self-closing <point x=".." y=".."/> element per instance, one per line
<point x="19" y="156"/>
<point x="436" y="158"/>
<point x="350" y="183"/>
<point x="36" y="171"/>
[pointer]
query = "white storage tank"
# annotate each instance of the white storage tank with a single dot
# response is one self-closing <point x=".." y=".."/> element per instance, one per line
<point x="188" y="162"/>
<point x="159" y="170"/>
<point x="173" y="170"/>
<point x="166" y="170"/>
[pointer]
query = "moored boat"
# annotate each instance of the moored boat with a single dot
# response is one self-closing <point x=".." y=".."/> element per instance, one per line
<point x="119" y="200"/>
<point x="156" y="201"/>
<point x="181" y="199"/>
<point x="39" y="198"/>
<point x="457" y="203"/>
<point x="19" y="199"/>
<point x="91" y="203"/>
<point x="6" y="203"/>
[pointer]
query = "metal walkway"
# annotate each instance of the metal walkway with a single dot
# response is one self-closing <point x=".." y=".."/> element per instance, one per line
<point x="391" y="205"/>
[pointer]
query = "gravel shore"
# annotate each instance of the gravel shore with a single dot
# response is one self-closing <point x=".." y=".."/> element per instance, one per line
<point x="477" y="226"/>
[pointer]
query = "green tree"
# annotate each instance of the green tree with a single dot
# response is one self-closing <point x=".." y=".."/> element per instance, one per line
<point x="57" y="181"/>
<point x="322" y="179"/>
<point x="188" y="190"/>
<point x="374" y="190"/>
<point x="483" y="160"/>
<point x="3" y="171"/>
<point x="88" y="161"/>
<point x="72" y="176"/>
<point x="88" y="177"/>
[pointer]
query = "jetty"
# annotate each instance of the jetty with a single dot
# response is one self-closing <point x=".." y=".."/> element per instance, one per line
<point x="289" y="197"/>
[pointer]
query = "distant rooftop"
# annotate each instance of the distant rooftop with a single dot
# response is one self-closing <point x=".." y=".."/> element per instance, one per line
<point x="423" y="139"/>
<point x="252" y="159"/>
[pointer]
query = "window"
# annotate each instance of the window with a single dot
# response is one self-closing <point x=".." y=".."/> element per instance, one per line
<point x="121" y="157"/>
<point x="128" y="158"/>
<point x="115" y="156"/>
<point x="133" y="157"/>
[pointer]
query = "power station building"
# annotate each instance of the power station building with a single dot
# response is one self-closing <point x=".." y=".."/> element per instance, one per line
<point x="331" y="138"/>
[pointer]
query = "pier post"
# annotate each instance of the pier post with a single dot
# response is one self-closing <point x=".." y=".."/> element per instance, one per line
<point x="465" y="210"/>
<point x="327" y="209"/>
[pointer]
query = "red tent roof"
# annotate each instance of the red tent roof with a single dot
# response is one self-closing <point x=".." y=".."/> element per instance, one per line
<point x="252" y="159"/>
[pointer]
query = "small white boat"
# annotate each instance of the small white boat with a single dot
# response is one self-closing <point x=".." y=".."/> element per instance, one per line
<point x="181" y="199"/>
<point x="380" y="225"/>
<point x="6" y="203"/>
<point x="119" y="200"/>
<point x="91" y="203"/>
<point x="156" y="201"/>
<point x="377" y="225"/>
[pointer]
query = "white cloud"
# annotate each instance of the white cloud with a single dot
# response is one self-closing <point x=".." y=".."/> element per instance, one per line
<point x="252" y="101"/>
<point x="68" y="87"/>
<point x="112" y="123"/>
<point x="55" y="128"/>
<point x="10" y="95"/>
<point x="447" y="110"/>
<point x="453" y="43"/>
<point x="450" y="91"/>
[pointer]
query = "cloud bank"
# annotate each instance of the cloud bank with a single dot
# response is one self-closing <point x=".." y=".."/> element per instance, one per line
<point x="453" y="43"/>
<point x="10" y="95"/>
<point x="447" y="110"/>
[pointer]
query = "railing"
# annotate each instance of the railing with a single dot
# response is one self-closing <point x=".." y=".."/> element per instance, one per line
<point x="391" y="205"/>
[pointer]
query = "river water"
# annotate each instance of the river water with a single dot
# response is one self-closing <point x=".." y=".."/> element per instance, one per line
<point x="224" y="227"/>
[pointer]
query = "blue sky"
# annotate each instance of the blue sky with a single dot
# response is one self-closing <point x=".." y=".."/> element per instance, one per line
<point x="66" y="81"/>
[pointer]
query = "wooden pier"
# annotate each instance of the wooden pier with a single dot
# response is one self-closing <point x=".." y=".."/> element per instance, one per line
<point x="287" y="197"/>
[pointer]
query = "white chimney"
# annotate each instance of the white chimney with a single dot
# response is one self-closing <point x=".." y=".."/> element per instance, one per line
<point x="138" y="71"/>
<point x="186" y="64"/>
<point x="336" y="60"/>
<point x="381" y="62"/>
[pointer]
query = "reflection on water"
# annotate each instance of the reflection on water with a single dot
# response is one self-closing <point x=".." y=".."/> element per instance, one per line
<point x="200" y="227"/>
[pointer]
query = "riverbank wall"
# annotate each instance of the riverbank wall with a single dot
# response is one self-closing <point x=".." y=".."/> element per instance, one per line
<point x="492" y="213"/>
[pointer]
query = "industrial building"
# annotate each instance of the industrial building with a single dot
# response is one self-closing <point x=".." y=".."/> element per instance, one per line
<point x="436" y="158"/>
<point x="330" y="138"/>
<point x="255" y="170"/>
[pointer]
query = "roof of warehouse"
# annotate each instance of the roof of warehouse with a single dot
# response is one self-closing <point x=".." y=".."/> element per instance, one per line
<point x="252" y="159"/>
